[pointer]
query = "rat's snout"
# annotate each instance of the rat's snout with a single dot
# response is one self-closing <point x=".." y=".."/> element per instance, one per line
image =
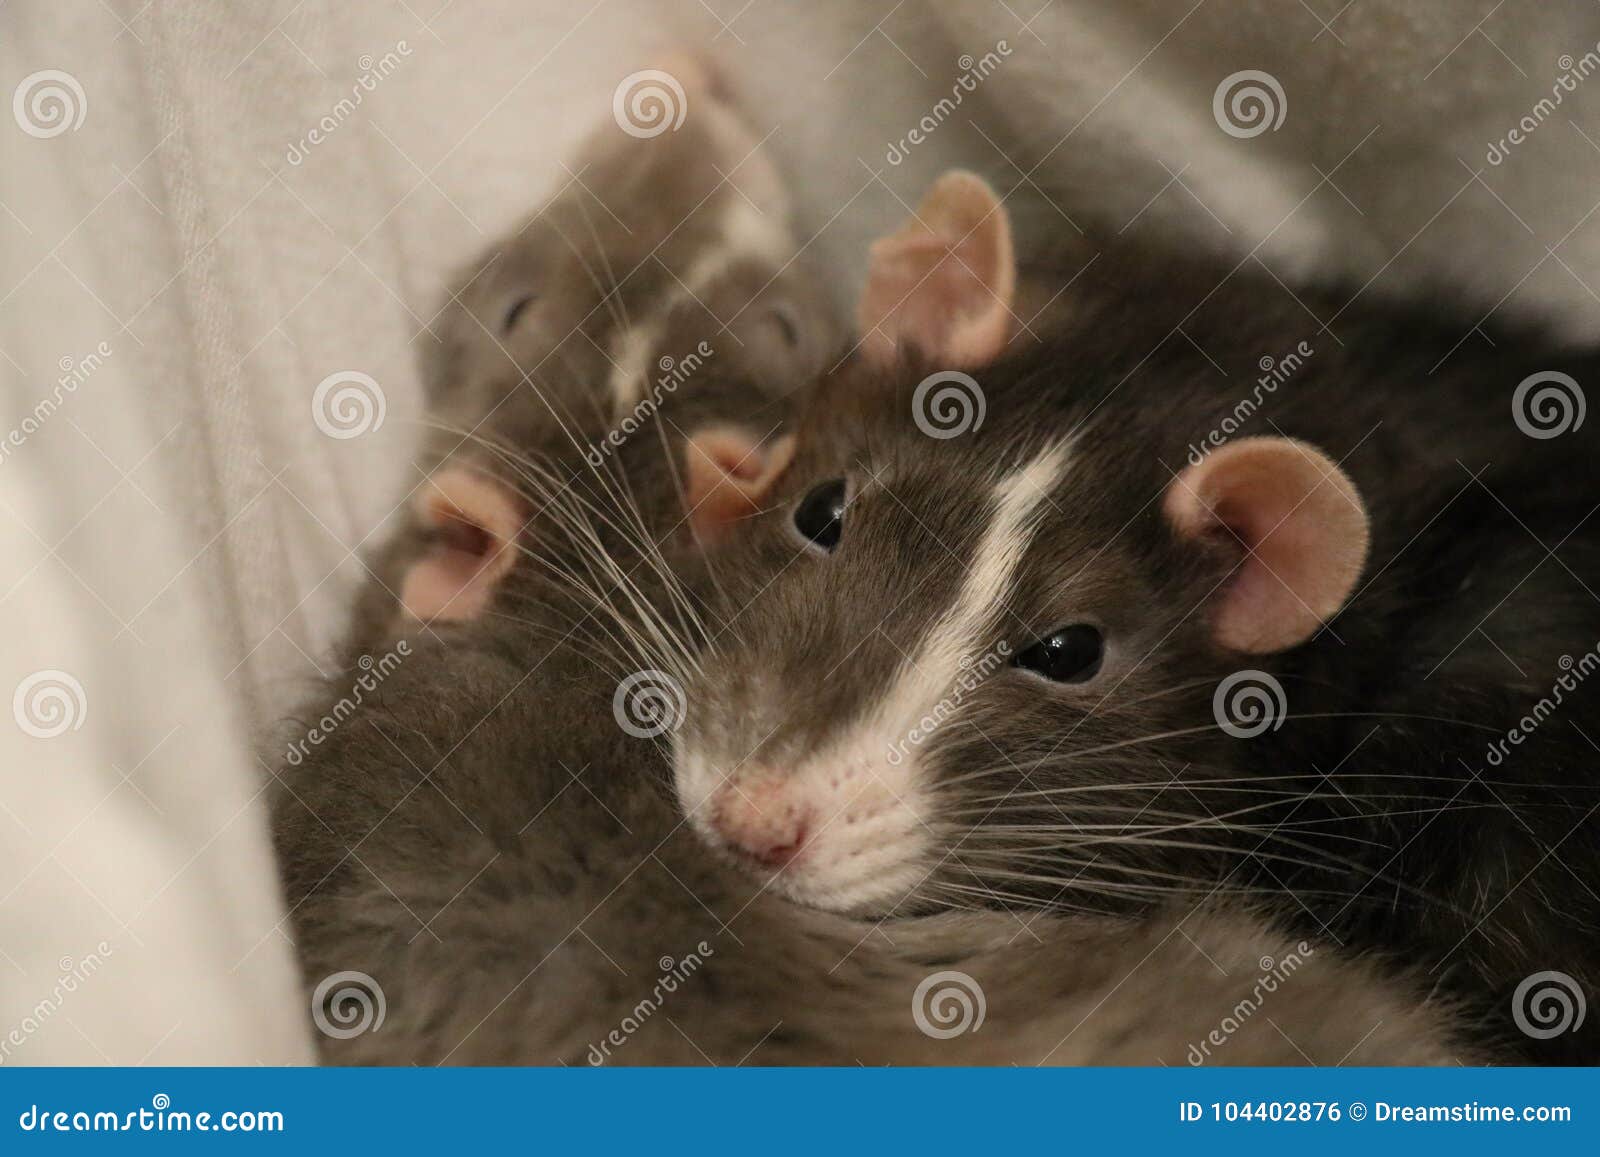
<point x="762" y="820"/>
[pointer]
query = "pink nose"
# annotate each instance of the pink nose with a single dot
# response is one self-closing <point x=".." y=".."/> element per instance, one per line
<point x="761" y="821"/>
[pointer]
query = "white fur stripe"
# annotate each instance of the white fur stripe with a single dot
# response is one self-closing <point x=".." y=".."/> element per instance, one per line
<point x="973" y="619"/>
<point x="631" y="364"/>
<point x="746" y="232"/>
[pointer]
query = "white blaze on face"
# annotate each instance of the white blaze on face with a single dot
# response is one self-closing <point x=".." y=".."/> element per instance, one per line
<point x="872" y="840"/>
<point x="971" y="625"/>
<point x="751" y="231"/>
<point x="633" y="354"/>
<point x="753" y="225"/>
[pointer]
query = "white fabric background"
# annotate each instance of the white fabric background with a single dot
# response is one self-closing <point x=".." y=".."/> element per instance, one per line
<point x="179" y="536"/>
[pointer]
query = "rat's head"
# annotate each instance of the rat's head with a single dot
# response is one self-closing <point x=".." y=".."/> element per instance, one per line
<point x="655" y="256"/>
<point x="658" y="292"/>
<point x="975" y="623"/>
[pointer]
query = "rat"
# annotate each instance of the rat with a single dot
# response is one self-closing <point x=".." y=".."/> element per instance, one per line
<point x="485" y="861"/>
<point x="690" y="228"/>
<point x="661" y="264"/>
<point x="1087" y="617"/>
<point x="484" y="868"/>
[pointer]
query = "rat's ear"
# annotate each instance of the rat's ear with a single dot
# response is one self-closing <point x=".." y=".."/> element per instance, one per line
<point x="727" y="474"/>
<point x="472" y="522"/>
<point x="1296" y="525"/>
<point x="944" y="282"/>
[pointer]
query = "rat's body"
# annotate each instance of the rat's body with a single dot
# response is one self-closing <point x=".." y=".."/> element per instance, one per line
<point x="1375" y="804"/>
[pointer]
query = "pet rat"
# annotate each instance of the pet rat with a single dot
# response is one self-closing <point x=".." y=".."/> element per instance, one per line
<point x="570" y="317"/>
<point x="484" y="854"/>
<point x="484" y="851"/>
<point x="655" y="257"/>
<point x="1087" y="617"/>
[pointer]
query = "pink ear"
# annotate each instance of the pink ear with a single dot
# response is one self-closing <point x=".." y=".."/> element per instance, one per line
<point x="727" y="473"/>
<point x="943" y="284"/>
<point x="473" y="521"/>
<point x="1295" y="521"/>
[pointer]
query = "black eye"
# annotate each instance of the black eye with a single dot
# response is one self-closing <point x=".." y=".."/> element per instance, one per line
<point x="1070" y="655"/>
<point x="820" y="515"/>
<point x="514" y="311"/>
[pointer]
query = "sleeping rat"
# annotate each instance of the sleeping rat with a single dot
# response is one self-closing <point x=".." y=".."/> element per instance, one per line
<point x="484" y="845"/>
<point x="569" y="316"/>
<point x="655" y="259"/>
<point x="1102" y="620"/>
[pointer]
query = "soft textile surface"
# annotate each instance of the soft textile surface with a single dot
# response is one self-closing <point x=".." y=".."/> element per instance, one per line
<point x="182" y="270"/>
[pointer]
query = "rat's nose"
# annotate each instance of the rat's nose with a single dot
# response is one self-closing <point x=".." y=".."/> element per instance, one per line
<point x="761" y="821"/>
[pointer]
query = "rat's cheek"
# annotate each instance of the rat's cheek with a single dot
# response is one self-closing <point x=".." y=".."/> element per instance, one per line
<point x="692" y="778"/>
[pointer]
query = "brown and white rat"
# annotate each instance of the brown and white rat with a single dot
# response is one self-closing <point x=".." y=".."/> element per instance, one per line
<point x="479" y="844"/>
<point x="1067" y="625"/>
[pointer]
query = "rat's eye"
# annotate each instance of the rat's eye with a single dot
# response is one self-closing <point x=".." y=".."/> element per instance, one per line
<point x="514" y="311"/>
<point x="1070" y="655"/>
<point x="788" y="325"/>
<point x="820" y="516"/>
